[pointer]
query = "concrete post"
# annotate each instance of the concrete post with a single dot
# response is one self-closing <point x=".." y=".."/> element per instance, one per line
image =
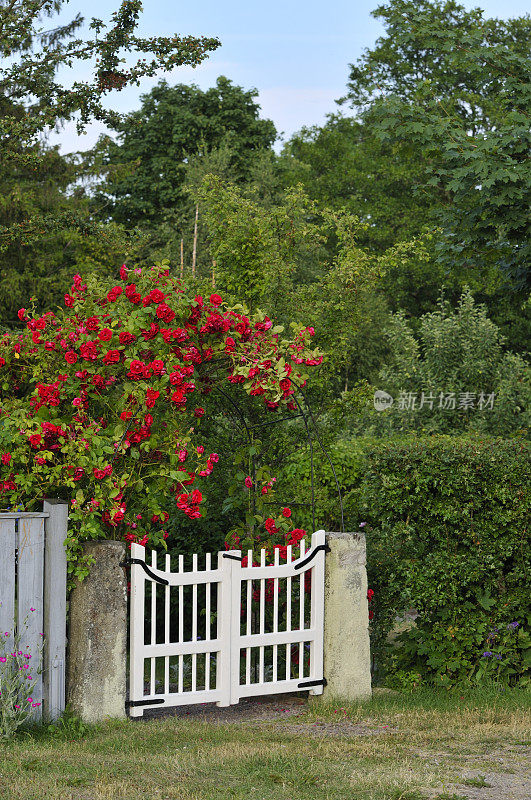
<point x="347" y="663"/>
<point x="97" y="641"/>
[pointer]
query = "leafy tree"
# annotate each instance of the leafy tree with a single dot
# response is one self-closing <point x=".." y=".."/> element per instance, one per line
<point x="455" y="85"/>
<point x="44" y="229"/>
<point x="296" y="257"/>
<point x="146" y="168"/>
<point x="46" y="233"/>
<point x="261" y="253"/>
<point x="344" y="165"/>
<point x="459" y="351"/>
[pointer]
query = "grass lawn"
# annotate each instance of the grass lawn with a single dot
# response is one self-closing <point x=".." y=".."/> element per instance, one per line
<point x="444" y="745"/>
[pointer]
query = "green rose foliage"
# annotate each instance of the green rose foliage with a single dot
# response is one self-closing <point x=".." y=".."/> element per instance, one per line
<point x="102" y="403"/>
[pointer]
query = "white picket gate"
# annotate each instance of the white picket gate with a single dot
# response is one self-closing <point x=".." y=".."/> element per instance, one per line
<point x="33" y="596"/>
<point x="222" y="633"/>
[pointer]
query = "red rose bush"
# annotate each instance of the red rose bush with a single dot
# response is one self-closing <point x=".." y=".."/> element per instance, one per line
<point x="101" y="402"/>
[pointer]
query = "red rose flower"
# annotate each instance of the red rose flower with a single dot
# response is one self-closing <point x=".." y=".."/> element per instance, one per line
<point x="152" y="332"/>
<point x="71" y="357"/>
<point x="199" y="412"/>
<point x="157" y="366"/>
<point x="165" y="313"/>
<point x="248" y="481"/>
<point x="92" y="324"/>
<point x="105" y="335"/>
<point x="156" y="296"/>
<point x="151" y="397"/>
<point x="114" y="294"/>
<point x="126" y="338"/>
<point x="178" y="396"/>
<point x="286" y="512"/>
<point x="215" y="299"/>
<point x="35" y="440"/>
<point x="89" y="351"/>
<point x="6" y="458"/>
<point x="137" y="369"/>
<point x="112" y="357"/>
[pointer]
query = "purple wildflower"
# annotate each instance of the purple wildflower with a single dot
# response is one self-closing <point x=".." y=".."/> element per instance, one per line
<point x="512" y="626"/>
<point x="487" y="654"/>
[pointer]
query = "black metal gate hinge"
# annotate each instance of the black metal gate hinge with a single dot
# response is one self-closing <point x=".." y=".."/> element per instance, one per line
<point x="309" y="684"/>
<point x="146" y="569"/>
<point x="148" y="702"/>
<point x="312" y="555"/>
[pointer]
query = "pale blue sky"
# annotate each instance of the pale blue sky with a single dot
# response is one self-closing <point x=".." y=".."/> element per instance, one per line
<point x="295" y="53"/>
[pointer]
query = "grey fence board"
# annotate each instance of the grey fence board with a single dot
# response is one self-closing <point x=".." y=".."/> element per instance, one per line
<point x="7" y="579"/>
<point x="30" y="590"/>
<point x="55" y="608"/>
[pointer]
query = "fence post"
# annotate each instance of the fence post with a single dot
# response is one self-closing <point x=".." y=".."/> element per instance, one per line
<point x="56" y="526"/>
<point x="97" y="636"/>
<point x="347" y="666"/>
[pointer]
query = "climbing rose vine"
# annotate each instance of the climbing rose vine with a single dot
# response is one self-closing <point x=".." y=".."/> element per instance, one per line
<point x="102" y="402"/>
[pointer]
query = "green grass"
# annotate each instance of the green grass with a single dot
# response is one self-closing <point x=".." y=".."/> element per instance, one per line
<point x="395" y="747"/>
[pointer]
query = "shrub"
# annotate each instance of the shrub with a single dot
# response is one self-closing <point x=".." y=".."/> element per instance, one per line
<point x="102" y="403"/>
<point x="446" y="535"/>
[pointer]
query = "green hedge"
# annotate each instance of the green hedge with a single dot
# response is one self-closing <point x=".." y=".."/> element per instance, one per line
<point x="446" y="523"/>
<point x="447" y="535"/>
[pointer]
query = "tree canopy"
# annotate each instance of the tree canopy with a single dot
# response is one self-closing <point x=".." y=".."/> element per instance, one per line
<point x="455" y="85"/>
<point x="145" y="167"/>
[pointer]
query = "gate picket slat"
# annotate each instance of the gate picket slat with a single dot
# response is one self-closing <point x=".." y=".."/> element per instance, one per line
<point x="289" y="557"/>
<point x="208" y="591"/>
<point x="136" y="628"/>
<point x="248" y="627"/>
<point x="262" y="621"/>
<point x="301" y="609"/>
<point x="152" y="675"/>
<point x="275" y="618"/>
<point x="194" y="624"/>
<point x="167" y="627"/>
<point x="317" y="613"/>
<point x="181" y="626"/>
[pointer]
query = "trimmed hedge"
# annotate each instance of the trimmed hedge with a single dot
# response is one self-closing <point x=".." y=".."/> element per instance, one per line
<point x="447" y="535"/>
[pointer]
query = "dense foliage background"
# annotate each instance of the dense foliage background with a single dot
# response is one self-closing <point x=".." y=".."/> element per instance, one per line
<point x="398" y="231"/>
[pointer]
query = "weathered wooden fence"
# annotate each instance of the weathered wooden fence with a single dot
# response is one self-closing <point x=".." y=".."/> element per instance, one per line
<point x="33" y="594"/>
